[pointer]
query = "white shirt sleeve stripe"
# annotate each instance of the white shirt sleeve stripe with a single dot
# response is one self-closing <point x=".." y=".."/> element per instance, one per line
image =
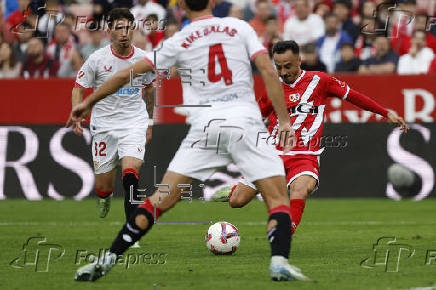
<point x="346" y="94"/>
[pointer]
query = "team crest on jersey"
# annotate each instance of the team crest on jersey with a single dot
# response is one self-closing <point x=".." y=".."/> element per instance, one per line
<point x="294" y="97"/>
<point x="80" y="74"/>
<point x="108" y="68"/>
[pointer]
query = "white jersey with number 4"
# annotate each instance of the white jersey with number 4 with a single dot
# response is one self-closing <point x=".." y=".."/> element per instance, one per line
<point x="213" y="57"/>
<point x="124" y="109"/>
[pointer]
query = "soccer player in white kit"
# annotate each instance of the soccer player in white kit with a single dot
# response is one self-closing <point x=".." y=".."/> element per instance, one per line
<point x="217" y="52"/>
<point x="119" y="123"/>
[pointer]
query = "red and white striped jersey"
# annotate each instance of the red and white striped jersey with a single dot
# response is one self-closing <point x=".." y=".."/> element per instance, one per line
<point x="305" y="100"/>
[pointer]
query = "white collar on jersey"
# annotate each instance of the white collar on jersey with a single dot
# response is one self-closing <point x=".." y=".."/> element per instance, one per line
<point x="303" y="72"/>
<point x="202" y="18"/>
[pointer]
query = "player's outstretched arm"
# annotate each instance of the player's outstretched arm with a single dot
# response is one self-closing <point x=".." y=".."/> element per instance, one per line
<point x="81" y="111"/>
<point x="368" y="104"/>
<point x="275" y="94"/>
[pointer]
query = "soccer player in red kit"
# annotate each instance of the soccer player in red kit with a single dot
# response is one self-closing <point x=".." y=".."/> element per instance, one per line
<point x="306" y="93"/>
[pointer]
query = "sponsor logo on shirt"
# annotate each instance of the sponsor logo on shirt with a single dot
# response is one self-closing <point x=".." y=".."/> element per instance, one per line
<point x="303" y="109"/>
<point x="127" y="91"/>
<point x="108" y="68"/>
<point x="80" y="74"/>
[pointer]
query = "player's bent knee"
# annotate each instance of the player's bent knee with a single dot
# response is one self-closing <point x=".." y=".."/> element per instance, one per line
<point x="236" y="202"/>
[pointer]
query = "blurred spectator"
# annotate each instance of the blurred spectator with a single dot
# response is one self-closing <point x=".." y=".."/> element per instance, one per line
<point x="46" y="23"/>
<point x="432" y="68"/>
<point x="272" y="31"/>
<point x="9" y="6"/>
<point x="18" y="16"/>
<point x="330" y="44"/>
<point x="349" y="62"/>
<point x="97" y="41"/>
<point x="285" y="9"/>
<point x="304" y="27"/>
<point x="62" y="49"/>
<point x="145" y="8"/>
<point x="263" y="11"/>
<point x="364" y="47"/>
<point x="342" y="9"/>
<point x="222" y="8"/>
<point x="172" y="28"/>
<point x="154" y="35"/>
<point x="368" y="9"/>
<point x="402" y="44"/>
<point x="102" y="7"/>
<point x="236" y="11"/>
<point x="37" y="63"/>
<point x="419" y="57"/>
<point x="19" y="47"/>
<point x="9" y="67"/>
<point x="311" y="60"/>
<point x="403" y="23"/>
<point x="271" y="44"/>
<point x="139" y="40"/>
<point x="384" y="61"/>
<point x="322" y="9"/>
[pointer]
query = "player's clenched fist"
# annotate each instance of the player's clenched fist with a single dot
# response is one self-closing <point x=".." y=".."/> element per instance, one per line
<point x="286" y="136"/>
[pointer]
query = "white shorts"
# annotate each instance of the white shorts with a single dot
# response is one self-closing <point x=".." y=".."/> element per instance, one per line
<point x="109" y="147"/>
<point x="295" y="166"/>
<point x="217" y="143"/>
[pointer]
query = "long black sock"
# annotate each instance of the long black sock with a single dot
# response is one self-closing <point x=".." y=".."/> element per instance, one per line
<point x="131" y="233"/>
<point x="280" y="235"/>
<point x="130" y="180"/>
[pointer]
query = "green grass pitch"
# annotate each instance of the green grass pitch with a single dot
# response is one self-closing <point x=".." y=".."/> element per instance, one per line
<point x="335" y="236"/>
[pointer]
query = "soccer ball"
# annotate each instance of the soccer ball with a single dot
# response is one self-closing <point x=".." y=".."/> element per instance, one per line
<point x="222" y="238"/>
<point x="400" y="176"/>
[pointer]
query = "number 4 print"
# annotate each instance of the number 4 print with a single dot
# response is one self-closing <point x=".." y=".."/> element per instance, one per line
<point x="217" y="51"/>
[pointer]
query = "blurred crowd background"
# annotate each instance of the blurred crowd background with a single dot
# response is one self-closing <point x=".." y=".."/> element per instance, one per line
<point x="54" y="38"/>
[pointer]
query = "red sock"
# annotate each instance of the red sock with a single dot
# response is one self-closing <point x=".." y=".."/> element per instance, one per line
<point x="231" y="192"/>
<point x="148" y="206"/>
<point x="103" y="194"/>
<point x="297" y="208"/>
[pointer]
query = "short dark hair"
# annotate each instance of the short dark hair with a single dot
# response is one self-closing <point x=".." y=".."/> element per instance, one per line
<point x="152" y="17"/>
<point x="346" y="3"/>
<point x="120" y="13"/>
<point x="309" y="48"/>
<point x="283" y="46"/>
<point x="197" y="5"/>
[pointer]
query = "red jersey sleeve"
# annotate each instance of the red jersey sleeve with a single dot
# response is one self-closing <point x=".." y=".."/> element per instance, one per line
<point x="341" y="90"/>
<point x="336" y="88"/>
<point x="265" y="105"/>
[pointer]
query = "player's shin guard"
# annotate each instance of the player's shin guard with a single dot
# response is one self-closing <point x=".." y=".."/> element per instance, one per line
<point x="279" y="236"/>
<point x="130" y="183"/>
<point x="131" y="233"/>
